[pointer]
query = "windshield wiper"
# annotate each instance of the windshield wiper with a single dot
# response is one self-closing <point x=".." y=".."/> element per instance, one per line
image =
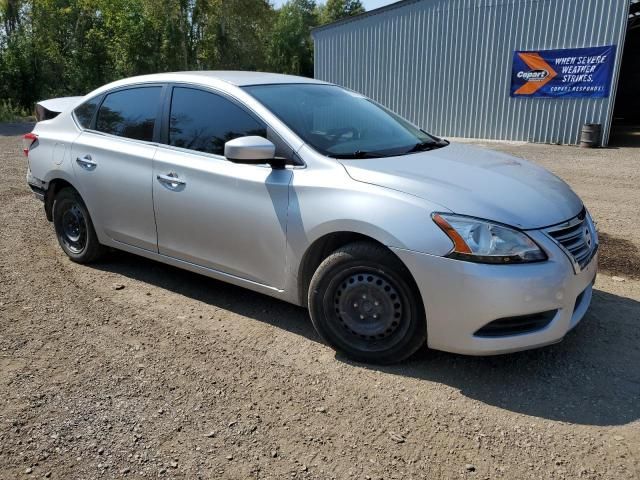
<point x="426" y="146"/>
<point x="357" y="154"/>
<point x="418" y="147"/>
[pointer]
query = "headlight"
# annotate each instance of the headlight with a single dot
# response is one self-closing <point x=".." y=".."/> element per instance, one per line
<point x="485" y="242"/>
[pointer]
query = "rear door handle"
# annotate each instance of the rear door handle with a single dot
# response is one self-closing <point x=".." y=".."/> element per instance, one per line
<point x="86" y="162"/>
<point x="171" y="180"/>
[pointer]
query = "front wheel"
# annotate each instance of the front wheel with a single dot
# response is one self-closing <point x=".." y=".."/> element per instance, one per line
<point x="74" y="228"/>
<point x="364" y="303"/>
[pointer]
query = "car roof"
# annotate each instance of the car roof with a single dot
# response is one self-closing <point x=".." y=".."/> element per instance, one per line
<point x="242" y="78"/>
<point x="212" y="77"/>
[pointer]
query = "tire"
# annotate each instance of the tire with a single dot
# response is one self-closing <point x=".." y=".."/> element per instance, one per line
<point x="74" y="228"/>
<point x="365" y="304"/>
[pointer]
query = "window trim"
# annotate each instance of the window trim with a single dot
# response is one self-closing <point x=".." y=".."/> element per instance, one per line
<point x="161" y="125"/>
<point x="163" y="140"/>
<point x="103" y="95"/>
<point x="92" y="122"/>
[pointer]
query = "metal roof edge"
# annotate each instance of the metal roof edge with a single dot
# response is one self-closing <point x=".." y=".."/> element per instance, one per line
<point x="361" y="16"/>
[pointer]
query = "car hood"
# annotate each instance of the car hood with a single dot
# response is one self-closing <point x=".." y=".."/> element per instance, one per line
<point x="476" y="182"/>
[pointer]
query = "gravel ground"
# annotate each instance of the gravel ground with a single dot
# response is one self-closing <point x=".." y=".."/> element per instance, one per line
<point x="130" y="369"/>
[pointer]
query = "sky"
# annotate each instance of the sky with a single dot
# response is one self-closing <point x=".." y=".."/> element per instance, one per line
<point x="368" y="4"/>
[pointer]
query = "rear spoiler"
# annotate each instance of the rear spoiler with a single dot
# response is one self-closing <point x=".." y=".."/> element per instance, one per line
<point x="48" y="109"/>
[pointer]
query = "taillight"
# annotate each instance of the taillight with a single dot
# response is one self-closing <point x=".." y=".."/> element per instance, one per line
<point x="27" y="142"/>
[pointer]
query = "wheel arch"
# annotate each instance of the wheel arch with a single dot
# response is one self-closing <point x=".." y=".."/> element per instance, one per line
<point x="320" y="249"/>
<point x="53" y="187"/>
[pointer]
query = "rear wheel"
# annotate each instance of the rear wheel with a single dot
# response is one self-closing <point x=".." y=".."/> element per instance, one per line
<point x="364" y="303"/>
<point x="74" y="228"/>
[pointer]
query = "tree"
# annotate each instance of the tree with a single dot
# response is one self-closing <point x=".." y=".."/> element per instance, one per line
<point x="52" y="48"/>
<point x="10" y="15"/>
<point x="233" y="34"/>
<point x="291" y="46"/>
<point x="336" y="9"/>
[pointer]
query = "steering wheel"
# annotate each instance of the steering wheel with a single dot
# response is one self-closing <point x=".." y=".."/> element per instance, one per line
<point x="337" y="133"/>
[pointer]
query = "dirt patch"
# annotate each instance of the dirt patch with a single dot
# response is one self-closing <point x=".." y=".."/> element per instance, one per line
<point x="619" y="256"/>
<point x="173" y="375"/>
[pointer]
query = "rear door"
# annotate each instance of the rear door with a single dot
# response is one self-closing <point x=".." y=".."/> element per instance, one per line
<point x="210" y="211"/>
<point x="112" y="161"/>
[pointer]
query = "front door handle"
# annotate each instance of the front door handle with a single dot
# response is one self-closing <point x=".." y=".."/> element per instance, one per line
<point x="171" y="180"/>
<point x="86" y="162"/>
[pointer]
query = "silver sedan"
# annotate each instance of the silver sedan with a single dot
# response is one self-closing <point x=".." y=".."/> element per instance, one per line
<point x="316" y="195"/>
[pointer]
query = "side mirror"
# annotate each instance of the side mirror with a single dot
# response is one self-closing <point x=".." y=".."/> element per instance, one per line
<point x="250" y="150"/>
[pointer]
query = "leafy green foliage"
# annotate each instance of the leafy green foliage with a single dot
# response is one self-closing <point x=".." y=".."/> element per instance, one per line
<point x="52" y="48"/>
<point x="9" y="112"/>
<point x="291" y="47"/>
<point x="335" y="10"/>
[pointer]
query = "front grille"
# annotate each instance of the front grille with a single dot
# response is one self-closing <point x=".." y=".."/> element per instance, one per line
<point x="578" y="239"/>
<point x="517" y="325"/>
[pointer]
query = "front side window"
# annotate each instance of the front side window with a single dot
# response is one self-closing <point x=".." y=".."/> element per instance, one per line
<point x="84" y="113"/>
<point x="204" y="121"/>
<point x="130" y="113"/>
<point x="340" y="123"/>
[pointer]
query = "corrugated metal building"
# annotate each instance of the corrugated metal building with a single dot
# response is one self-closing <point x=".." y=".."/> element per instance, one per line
<point x="446" y="64"/>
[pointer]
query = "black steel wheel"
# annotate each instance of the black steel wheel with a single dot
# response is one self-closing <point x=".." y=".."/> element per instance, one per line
<point x="73" y="227"/>
<point x="365" y="304"/>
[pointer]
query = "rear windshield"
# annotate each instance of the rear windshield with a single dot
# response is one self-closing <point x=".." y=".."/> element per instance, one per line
<point x="340" y="123"/>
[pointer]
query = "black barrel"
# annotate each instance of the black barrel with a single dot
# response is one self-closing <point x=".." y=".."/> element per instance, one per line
<point x="590" y="135"/>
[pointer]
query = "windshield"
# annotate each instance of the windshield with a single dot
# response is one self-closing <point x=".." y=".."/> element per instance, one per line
<point x="340" y="123"/>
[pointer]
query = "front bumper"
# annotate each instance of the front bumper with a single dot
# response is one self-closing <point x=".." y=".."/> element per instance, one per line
<point x="462" y="297"/>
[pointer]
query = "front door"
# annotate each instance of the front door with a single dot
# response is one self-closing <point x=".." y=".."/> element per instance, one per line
<point x="212" y="212"/>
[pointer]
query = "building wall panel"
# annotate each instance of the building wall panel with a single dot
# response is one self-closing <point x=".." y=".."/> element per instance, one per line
<point x="446" y="64"/>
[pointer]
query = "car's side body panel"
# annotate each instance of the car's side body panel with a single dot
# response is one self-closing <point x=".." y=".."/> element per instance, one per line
<point x="116" y="186"/>
<point x="224" y="216"/>
<point x="209" y="272"/>
<point x="50" y="157"/>
<point x="324" y="200"/>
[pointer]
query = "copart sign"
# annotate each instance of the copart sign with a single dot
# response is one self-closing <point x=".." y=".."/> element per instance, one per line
<point x="572" y="73"/>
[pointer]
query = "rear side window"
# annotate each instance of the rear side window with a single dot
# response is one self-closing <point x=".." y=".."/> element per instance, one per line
<point x="204" y="121"/>
<point x="84" y="113"/>
<point x="130" y="113"/>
